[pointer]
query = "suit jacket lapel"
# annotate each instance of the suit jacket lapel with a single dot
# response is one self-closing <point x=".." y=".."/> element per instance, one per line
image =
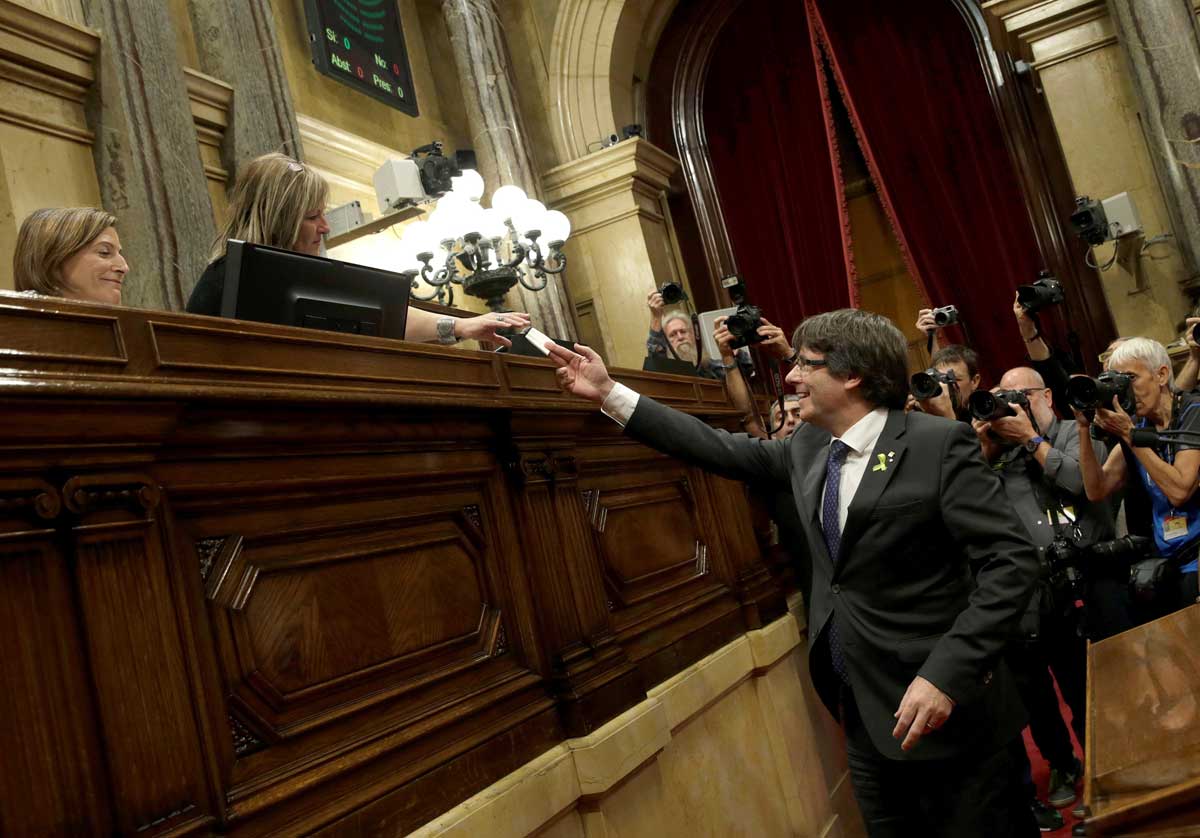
<point x="876" y="478"/>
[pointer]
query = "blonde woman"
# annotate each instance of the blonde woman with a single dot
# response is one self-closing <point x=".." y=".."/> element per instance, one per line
<point x="71" y="252"/>
<point x="280" y="202"/>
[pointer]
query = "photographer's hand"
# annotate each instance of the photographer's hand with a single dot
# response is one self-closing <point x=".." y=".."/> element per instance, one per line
<point x="1016" y="429"/>
<point x="925" y="321"/>
<point x="774" y="343"/>
<point x="724" y="338"/>
<point x="1115" y="421"/>
<point x="1037" y="348"/>
<point x="986" y="442"/>
<point x="582" y="372"/>
<point x="656" y="305"/>
<point x="941" y="404"/>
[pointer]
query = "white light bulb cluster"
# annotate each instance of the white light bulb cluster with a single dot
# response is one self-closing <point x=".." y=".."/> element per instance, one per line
<point x="460" y="235"/>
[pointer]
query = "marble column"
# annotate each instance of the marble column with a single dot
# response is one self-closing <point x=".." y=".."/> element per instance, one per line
<point x="1161" y="43"/>
<point x="498" y="136"/>
<point x="146" y="152"/>
<point x="237" y="43"/>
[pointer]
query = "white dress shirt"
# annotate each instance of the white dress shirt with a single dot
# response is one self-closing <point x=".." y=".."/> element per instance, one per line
<point x="860" y="438"/>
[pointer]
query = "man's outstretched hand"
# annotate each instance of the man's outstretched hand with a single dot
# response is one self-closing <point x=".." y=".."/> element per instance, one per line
<point x="581" y="372"/>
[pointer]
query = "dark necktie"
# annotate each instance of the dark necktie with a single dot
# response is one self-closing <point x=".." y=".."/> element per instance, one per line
<point x="832" y="530"/>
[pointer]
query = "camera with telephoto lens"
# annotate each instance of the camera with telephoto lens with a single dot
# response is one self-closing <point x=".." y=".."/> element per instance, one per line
<point x="1045" y="292"/>
<point x="672" y="293"/>
<point x="928" y="384"/>
<point x="986" y="406"/>
<point x="945" y="316"/>
<point x="437" y="170"/>
<point x="1085" y="393"/>
<point x="1064" y="559"/>
<point x="744" y="323"/>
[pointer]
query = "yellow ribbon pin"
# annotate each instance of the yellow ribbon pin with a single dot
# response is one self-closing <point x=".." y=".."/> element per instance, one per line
<point x="882" y="464"/>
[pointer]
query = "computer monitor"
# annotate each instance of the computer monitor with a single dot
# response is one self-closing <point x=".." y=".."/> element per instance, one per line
<point x="270" y="285"/>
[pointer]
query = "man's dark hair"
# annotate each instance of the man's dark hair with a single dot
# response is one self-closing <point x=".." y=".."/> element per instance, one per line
<point x="954" y="353"/>
<point x="859" y="343"/>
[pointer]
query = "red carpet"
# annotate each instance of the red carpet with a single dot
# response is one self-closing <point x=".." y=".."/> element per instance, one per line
<point x="1041" y="771"/>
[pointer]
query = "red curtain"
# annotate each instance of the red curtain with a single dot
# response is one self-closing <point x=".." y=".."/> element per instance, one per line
<point x="913" y="83"/>
<point x="774" y="165"/>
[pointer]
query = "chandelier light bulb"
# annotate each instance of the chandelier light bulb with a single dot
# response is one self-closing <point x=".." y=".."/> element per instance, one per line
<point x="507" y="200"/>
<point x="469" y="185"/>
<point x="529" y="216"/>
<point x="555" y="227"/>
<point x="493" y="225"/>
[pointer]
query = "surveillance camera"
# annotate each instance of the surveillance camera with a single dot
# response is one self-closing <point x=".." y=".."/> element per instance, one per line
<point x="610" y="140"/>
<point x="424" y="176"/>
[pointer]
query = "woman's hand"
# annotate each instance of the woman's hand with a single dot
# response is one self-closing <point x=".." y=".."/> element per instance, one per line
<point x="486" y="327"/>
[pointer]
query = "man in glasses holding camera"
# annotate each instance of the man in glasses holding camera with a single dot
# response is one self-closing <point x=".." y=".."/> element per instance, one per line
<point x="919" y="576"/>
<point x="1037" y="459"/>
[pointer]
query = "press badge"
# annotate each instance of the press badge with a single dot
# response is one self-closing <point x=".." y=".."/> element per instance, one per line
<point x="1174" y="526"/>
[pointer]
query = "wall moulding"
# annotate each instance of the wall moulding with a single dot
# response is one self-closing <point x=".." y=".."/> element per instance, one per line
<point x="344" y="158"/>
<point x="211" y="100"/>
<point x="46" y="69"/>
<point x="584" y="188"/>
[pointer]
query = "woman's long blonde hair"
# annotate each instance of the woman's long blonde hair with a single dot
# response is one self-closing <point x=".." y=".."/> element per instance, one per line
<point x="271" y="196"/>
<point x="48" y="238"/>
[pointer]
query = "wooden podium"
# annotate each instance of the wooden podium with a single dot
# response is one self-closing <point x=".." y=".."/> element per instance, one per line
<point x="258" y="580"/>
<point x="1143" y="729"/>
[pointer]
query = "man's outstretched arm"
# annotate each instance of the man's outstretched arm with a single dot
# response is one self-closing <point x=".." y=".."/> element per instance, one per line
<point x="736" y="456"/>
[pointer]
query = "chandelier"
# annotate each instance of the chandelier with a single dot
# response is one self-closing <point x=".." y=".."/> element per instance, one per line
<point x="485" y="251"/>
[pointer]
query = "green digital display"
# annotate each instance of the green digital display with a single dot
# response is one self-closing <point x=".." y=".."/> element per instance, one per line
<point x="361" y="44"/>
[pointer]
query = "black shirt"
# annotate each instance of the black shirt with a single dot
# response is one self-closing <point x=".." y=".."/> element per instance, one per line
<point x="206" y="296"/>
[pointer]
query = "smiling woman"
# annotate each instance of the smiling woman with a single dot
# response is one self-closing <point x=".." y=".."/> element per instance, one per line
<point x="71" y="252"/>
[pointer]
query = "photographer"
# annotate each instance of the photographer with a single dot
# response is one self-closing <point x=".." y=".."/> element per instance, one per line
<point x="963" y="362"/>
<point x="1165" y="475"/>
<point x="775" y="346"/>
<point x="1037" y="459"/>
<point x="671" y="335"/>
<point x="1050" y="365"/>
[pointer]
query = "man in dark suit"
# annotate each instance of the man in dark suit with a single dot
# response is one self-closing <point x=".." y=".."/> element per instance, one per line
<point x="921" y="572"/>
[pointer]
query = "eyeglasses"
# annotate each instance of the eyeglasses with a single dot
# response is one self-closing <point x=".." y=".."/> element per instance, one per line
<point x="807" y="365"/>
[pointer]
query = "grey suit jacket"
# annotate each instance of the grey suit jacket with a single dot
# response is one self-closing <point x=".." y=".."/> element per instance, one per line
<point x="934" y="574"/>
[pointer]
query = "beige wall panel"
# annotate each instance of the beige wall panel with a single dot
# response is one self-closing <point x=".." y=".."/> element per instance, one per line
<point x="570" y="825"/>
<point x="71" y="10"/>
<point x="336" y="104"/>
<point x="39" y="170"/>
<point x="1096" y="114"/>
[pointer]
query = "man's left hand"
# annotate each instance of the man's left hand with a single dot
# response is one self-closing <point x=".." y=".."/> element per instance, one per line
<point x="923" y="710"/>
<point x="1016" y="429"/>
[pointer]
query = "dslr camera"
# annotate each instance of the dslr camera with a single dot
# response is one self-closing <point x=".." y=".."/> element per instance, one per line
<point x="986" y="406"/>
<point x="1043" y="293"/>
<point x="1089" y="393"/>
<point x="945" y="316"/>
<point x="928" y="384"/>
<point x="743" y="324"/>
<point x="672" y="293"/>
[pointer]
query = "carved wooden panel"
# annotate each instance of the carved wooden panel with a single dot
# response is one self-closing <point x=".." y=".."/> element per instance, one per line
<point x="257" y="580"/>
<point x="129" y="619"/>
<point x="649" y="539"/>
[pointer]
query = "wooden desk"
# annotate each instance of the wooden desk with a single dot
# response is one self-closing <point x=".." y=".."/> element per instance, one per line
<point x="264" y="580"/>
